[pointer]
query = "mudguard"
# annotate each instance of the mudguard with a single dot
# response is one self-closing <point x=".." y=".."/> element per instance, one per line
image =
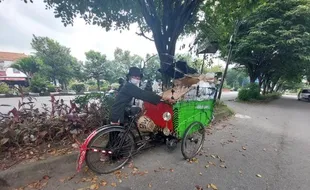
<point x="84" y="145"/>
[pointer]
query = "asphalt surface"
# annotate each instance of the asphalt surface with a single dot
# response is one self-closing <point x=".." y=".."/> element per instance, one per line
<point x="264" y="147"/>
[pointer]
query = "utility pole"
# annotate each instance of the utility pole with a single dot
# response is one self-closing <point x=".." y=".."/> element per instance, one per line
<point x="231" y="43"/>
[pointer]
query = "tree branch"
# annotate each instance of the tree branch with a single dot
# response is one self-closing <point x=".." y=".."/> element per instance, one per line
<point x="141" y="33"/>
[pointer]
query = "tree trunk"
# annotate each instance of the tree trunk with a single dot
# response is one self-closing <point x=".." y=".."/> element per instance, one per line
<point x="264" y="87"/>
<point x="166" y="28"/>
<point x="28" y="80"/>
<point x="98" y="84"/>
<point x="278" y="87"/>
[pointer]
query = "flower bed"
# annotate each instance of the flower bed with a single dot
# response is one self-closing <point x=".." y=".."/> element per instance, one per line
<point x="27" y="127"/>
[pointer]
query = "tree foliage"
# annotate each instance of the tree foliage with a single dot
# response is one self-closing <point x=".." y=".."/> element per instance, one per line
<point x="28" y="65"/>
<point x="220" y="19"/>
<point x="123" y="60"/>
<point x="274" y="42"/>
<point x="58" y="65"/>
<point x="96" y="66"/>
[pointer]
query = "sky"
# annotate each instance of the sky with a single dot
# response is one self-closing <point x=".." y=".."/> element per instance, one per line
<point x="19" y="21"/>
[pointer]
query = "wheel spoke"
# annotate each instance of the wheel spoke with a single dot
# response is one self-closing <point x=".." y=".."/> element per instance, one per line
<point x="120" y="145"/>
<point x="193" y="140"/>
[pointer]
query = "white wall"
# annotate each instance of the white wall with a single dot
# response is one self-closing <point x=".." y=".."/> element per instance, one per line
<point x="10" y="73"/>
<point x="5" y="66"/>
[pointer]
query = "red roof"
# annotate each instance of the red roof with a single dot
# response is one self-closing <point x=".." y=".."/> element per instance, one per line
<point x="10" y="56"/>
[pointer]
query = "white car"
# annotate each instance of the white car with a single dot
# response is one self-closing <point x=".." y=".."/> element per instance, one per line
<point x="304" y="94"/>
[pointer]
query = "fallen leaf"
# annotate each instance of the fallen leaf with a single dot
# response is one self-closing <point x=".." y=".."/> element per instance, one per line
<point x="208" y="186"/>
<point x="103" y="183"/>
<point x="113" y="184"/>
<point x="244" y="148"/>
<point x="94" y="186"/>
<point x="223" y="166"/>
<point x="130" y="165"/>
<point x="213" y="156"/>
<point x="150" y="185"/>
<point x="4" y="141"/>
<point x="211" y="163"/>
<point x="207" y="166"/>
<point x="75" y="145"/>
<point x="46" y="177"/>
<point x="258" y="175"/>
<point x="62" y="180"/>
<point x="213" y="186"/>
<point x="44" y="184"/>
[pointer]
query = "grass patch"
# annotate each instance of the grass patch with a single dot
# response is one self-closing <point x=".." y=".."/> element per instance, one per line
<point x="221" y="110"/>
<point x="263" y="98"/>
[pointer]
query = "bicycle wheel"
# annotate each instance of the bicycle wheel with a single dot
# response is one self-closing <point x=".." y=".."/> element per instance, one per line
<point x="109" y="150"/>
<point x="193" y="139"/>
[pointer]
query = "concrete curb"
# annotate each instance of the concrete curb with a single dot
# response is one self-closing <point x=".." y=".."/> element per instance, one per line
<point x="30" y="172"/>
<point x="23" y="174"/>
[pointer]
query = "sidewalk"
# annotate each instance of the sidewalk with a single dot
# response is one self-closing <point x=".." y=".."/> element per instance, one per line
<point x="62" y="168"/>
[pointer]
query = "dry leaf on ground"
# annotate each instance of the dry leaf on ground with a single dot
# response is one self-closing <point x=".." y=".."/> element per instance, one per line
<point x="213" y="186"/>
<point x="94" y="186"/>
<point x="258" y="175"/>
<point x="113" y="184"/>
<point x="103" y="183"/>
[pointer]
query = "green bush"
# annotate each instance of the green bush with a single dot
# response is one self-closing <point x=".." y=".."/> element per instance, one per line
<point x="250" y="92"/>
<point x="272" y="96"/>
<point x="38" y="84"/>
<point x="92" y="88"/>
<point x="78" y="87"/>
<point x="51" y="88"/>
<point x="4" y="88"/>
<point x="243" y="94"/>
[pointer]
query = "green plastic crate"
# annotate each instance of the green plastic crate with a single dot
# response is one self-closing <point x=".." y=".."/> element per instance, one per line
<point x="187" y="112"/>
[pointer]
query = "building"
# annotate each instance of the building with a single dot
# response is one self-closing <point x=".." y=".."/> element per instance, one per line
<point x="10" y="75"/>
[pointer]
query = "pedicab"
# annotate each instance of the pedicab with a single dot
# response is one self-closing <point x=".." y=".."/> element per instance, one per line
<point x="110" y="147"/>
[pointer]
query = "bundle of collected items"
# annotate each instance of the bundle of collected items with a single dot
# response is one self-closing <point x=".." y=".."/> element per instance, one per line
<point x="189" y="85"/>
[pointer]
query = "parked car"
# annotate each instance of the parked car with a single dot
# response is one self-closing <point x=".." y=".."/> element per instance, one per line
<point x="304" y="94"/>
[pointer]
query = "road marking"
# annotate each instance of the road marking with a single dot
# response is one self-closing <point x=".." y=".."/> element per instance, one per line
<point x="242" y="116"/>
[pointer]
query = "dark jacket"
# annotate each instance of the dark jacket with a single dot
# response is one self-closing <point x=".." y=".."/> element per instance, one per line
<point x="125" y="96"/>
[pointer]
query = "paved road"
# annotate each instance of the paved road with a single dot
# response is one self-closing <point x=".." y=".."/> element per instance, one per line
<point x="266" y="140"/>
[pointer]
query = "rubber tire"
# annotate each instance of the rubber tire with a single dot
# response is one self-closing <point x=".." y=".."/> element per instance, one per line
<point x="112" y="129"/>
<point x="186" y="133"/>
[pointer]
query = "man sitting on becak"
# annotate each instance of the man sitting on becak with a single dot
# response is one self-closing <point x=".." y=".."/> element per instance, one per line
<point x="131" y="91"/>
